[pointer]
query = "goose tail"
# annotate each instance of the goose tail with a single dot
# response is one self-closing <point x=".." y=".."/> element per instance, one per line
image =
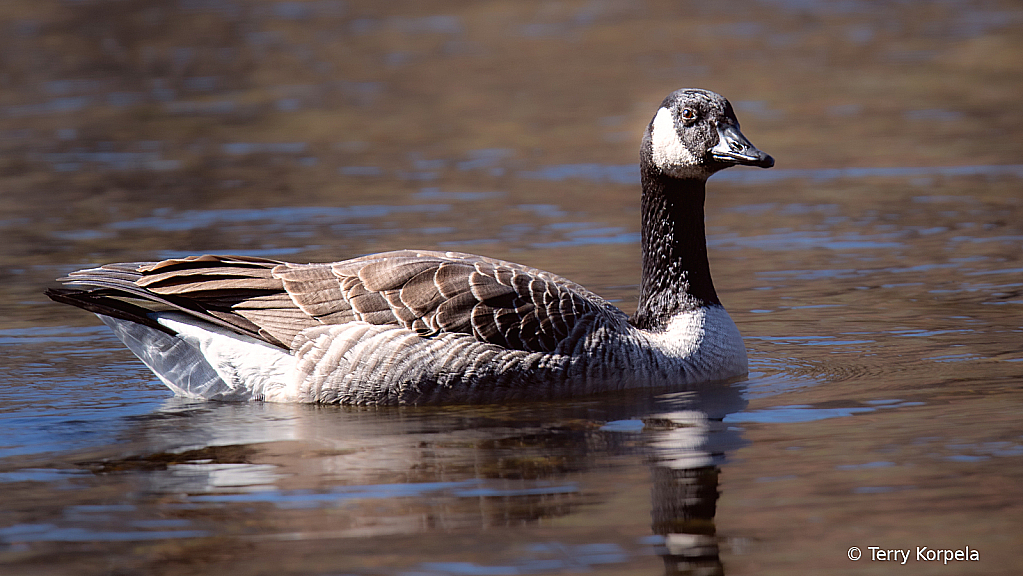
<point x="177" y="360"/>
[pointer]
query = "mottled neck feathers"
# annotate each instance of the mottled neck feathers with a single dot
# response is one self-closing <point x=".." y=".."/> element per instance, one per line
<point x="676" y="273"/>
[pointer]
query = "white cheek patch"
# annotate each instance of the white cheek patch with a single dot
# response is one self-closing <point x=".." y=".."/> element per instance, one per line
<point x="669" y="153"/>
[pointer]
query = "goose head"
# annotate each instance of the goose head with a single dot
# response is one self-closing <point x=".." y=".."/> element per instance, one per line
<point x="694" y="134"/>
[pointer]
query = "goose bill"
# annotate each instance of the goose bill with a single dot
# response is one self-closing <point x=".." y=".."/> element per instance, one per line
<point x="733" y="148"/>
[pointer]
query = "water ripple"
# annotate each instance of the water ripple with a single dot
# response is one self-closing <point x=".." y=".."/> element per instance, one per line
<point x="193" y="219"/>
<point x="629" y="173"/>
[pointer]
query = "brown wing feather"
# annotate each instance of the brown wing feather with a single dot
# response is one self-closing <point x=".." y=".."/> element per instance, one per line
<point x="420" y="294"/>
<point x="429" y="292"/>
<point x="203" y="286"/>
<point x="392" y="273"/>
<point x="497" y="302"/>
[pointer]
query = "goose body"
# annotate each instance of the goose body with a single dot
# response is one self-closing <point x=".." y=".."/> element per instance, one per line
<point x="444" y="327"/>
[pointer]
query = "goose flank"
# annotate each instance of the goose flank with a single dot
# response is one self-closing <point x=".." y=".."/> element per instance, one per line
<point x="417" y="327"/>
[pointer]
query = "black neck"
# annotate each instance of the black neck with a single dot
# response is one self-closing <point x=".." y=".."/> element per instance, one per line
<point x="676" y="273"/>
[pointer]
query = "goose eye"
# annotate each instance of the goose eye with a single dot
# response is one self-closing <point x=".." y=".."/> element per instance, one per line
<point x="688" y="114"/>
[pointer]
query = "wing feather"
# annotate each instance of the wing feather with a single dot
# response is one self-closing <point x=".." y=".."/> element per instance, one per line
<point x="455" y="314"/>
<point x="485" y="326"/>
<point x="427" y="292"/>
<point x="420" y="293"/>
<point x="314" y="289"/>
<point x="452" y="279"/>
<point x="388" y="274"/>
<point x="488" y="289"/>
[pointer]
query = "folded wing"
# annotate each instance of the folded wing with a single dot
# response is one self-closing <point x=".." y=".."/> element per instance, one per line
<point x="427" y="292"/>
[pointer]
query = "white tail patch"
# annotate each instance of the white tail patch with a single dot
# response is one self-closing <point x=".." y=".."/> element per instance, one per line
<point x="250" y="368"/>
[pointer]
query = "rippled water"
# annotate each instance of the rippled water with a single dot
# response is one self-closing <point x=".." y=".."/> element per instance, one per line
<point x="876" y="275"/>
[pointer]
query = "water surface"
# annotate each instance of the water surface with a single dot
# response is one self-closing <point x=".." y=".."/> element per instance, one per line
<point x="876" y="275"/>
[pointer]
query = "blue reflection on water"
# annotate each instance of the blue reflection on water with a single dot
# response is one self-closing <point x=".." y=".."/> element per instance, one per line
<point x="194" y="219"/>
<point x="629" y="173"/>
<point x="618" y="174"/>
<point x="52" y="404"/>
<point x="52" y="533"/>
<point x="310" y="499"/>
<point x="550" y="556"/>
<point x="242" y="148"/>
<point x="793" y="414"/>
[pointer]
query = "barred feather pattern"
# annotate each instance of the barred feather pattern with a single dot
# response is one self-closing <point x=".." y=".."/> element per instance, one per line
<point x="428" y="293"/>
<point x="386" y="365"/>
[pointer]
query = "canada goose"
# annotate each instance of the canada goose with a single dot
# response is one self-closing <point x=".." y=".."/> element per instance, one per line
<point x="411" y="327"/>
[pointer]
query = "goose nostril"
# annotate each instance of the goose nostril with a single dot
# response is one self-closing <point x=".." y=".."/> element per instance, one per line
<point x="735" y="146"/>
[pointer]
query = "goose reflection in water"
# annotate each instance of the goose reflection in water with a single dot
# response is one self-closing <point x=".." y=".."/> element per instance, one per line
<point x="286" y="473"/>
<point x="687" y="446"/>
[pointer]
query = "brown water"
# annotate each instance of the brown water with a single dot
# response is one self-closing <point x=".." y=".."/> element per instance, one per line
<point x="876" y="274"/>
